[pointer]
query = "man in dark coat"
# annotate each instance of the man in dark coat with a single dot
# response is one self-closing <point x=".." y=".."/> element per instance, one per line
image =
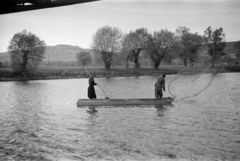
<point x="159" y="86"/>
<point x="91" y="90"/>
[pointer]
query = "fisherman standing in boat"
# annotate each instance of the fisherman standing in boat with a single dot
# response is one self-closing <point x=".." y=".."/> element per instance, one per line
<point x="159" y="86"/>
<point x="91" y="90"/>
<point x="91" y="93"/>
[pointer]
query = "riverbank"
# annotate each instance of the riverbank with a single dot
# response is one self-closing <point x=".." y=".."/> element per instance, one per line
<point x="69" y="73"/>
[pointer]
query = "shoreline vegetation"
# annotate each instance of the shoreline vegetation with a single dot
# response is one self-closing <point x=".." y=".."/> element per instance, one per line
<point x="7" y="74"/>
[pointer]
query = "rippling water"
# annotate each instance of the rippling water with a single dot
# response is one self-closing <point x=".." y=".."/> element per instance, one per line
<point x="39" y="120"/>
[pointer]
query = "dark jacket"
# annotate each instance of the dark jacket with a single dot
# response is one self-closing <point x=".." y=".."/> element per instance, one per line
<point x="91" y="90"/>
<point x="160" y="84"/>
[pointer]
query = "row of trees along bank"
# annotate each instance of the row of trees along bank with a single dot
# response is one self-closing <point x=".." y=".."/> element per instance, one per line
<point x="27" y="50"/>
<point x="159" y="46"/>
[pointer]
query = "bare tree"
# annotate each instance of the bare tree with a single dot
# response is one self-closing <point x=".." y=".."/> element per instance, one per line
<point x="107" y="41"/>
<point x="161" y="46"/>
<point x="134" y="43"/>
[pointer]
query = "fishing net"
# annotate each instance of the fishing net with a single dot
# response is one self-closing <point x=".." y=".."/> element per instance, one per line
<point x="191" y="80"/>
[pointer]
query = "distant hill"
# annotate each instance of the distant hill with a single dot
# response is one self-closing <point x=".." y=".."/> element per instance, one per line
<point x="65" y="53"/>
<point x="4" y="57"/>
<point x="54" y="53"/>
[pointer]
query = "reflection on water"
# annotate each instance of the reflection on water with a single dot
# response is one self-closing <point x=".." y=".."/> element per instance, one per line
<point x="39" y="120"/>
<point x="161" y="109"/>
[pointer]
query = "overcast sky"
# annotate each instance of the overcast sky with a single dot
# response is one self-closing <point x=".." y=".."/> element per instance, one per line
<point x="76" y="24"/>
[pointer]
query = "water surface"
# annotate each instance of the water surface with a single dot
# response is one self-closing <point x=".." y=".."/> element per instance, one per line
<point x="39" y="120"/>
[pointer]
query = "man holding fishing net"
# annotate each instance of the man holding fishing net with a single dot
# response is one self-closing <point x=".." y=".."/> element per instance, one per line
<point x="159" y="86"/>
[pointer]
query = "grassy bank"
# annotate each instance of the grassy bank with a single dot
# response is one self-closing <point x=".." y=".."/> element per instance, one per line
<point x="6" y="74"/>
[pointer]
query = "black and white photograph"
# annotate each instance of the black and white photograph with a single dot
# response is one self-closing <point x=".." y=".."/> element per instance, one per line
<point x="119" y="80"/>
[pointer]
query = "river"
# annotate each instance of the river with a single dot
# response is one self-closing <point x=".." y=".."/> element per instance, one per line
<point x="39" y="120"/>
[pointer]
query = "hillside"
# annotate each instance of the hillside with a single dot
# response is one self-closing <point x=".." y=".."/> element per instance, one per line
<point x="68" y="53"/>
<point x="4" y="57"/>
<point x="54" y="53"/>
<point x="62" y="53"/>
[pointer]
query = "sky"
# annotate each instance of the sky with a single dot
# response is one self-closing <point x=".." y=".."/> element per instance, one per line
<point x="76" y="24"/>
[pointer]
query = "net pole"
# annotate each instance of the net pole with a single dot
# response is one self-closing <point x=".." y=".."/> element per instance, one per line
<point x="97" y="83"/>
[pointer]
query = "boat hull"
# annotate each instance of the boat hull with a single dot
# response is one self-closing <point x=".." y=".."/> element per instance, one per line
<point x="120" y="102"/>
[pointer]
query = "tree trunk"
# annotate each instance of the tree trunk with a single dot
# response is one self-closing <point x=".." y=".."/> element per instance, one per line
<point x="24" y="64"/>
<point x="107" y="65"/>
<point x="135" y="55"/>
<point x="185" y="62"/>
<point x="136" y="62"/>
<point x="158" y="62"/>
<point x="107" y="57"/>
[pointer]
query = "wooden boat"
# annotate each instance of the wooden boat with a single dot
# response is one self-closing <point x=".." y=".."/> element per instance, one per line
<point x="120" y="102"/>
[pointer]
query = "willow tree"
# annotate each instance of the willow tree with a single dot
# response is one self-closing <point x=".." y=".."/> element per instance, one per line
<point x="189" y="44"/>
<point x="134" y="43"/>
<point x="161" y="46"/>
<point x="107" y="41"/>
<point x="26" y="52"/>
<point x="215" y="42"/>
